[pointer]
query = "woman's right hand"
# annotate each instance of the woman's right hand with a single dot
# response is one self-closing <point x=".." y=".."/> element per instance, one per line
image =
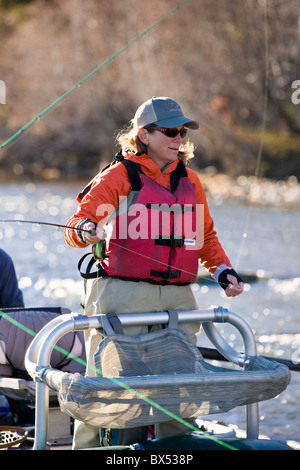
<point x="97" y="233"/>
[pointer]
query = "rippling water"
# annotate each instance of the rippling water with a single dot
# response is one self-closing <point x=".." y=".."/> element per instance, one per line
<point x="261" y="240"/>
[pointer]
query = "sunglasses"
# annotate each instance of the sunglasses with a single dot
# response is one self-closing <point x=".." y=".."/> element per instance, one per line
<point x="169" y="132"/>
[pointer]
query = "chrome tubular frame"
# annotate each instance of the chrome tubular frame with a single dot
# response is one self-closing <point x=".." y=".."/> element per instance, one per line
<point x="39" y="352"/>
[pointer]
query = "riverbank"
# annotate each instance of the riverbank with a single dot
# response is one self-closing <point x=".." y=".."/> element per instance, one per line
<point x="218" y="186"/>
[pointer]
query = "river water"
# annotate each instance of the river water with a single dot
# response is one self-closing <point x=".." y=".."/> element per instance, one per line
<point x="261" y="239"/>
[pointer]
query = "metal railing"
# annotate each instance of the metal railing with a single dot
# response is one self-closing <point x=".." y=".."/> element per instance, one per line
<point x="39" y="352"/>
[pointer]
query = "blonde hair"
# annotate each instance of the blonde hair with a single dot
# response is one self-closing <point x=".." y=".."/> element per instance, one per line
<point x="128" y="139"/>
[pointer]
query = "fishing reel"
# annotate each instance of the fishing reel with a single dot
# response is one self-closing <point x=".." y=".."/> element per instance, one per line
<point x="99" y="250"/>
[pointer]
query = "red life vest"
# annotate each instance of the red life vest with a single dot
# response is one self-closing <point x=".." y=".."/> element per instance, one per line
<point x="154" y="238"/>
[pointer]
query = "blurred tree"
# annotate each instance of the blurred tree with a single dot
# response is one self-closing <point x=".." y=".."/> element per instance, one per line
<point x="210" y="56"/>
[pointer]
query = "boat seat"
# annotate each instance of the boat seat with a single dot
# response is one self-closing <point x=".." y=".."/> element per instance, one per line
<point x="17" y="328"/>
<point x="6" y="370"/>
<point x="155" y="377"/>
<point x="148" y="379"/>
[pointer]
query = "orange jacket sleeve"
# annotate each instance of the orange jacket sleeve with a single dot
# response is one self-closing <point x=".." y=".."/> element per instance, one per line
<point x="211" y="255"/>
<point x="102" y="197"/>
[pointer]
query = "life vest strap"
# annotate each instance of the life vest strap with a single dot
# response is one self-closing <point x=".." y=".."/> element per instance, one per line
<point x="170" y="241"/>
<point x="165" y="274"/>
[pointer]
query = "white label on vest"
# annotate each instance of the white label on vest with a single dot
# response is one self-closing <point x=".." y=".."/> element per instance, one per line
<point x="189" y="241"/>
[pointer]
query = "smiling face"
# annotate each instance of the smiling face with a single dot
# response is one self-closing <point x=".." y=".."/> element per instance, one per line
<point x="161" y="148"/>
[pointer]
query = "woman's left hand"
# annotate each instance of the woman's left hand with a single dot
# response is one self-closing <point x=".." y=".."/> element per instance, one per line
<point x="234" y="288"/>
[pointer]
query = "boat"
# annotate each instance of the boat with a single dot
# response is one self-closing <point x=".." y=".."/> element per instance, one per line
<point x="60" y="396"/>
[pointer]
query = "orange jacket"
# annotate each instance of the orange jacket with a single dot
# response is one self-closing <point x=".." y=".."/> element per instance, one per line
<point x="112" y="184"/>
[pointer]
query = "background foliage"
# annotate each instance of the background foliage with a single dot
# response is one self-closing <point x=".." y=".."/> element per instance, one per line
<point x="210" y="56"/>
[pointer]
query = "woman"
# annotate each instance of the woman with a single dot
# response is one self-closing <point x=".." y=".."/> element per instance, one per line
<point x="157" y="225"/>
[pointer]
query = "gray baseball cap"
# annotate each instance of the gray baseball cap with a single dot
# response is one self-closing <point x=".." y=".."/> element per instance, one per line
<point x="162" y="111"/>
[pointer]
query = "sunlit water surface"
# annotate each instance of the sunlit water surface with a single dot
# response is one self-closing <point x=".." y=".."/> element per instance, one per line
<point x="261" y="240"/>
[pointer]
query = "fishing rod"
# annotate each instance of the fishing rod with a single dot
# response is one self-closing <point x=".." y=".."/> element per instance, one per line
<point x="20" y="221"/>
<point x="98" y="249"/>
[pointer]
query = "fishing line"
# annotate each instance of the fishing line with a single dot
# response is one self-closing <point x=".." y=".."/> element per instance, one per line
<point x="22" y="130"/>
<point x="158" y="261"/>
<point x="65" y="95"/>
<point x="97" y="69"/>
<point x="77" y="85"/>
<point x="261" y="142"/>
<point x="90" y="75"/>
<point x="263" y="127"/>
<point x="119" y="383"/>
<point x="210" y="279"/>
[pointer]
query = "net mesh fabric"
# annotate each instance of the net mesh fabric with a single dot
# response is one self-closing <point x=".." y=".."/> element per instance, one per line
<point x="152" y="378"/>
